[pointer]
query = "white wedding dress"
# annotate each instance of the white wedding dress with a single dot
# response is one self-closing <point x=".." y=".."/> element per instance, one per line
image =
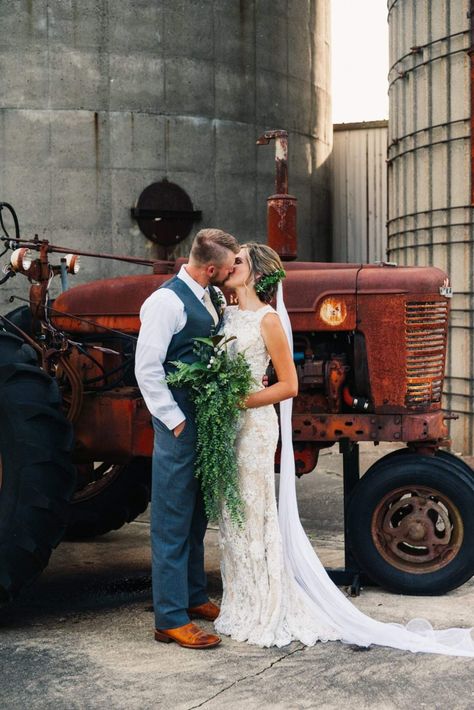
<point x="275" y="590"/>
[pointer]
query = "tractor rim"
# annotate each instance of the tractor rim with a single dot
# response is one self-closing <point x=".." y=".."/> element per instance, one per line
<point x="417" y="529"/>
<point x="101" y="475"/>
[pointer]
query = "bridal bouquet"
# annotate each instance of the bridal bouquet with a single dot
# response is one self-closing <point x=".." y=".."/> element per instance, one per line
<point x="218" y="383"/>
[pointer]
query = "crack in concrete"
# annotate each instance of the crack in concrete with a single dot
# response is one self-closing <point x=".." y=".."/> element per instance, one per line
<point x="246" y="677"/>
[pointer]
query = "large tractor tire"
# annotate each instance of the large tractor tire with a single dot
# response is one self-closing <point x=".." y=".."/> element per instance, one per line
<point x="410" y="524"/>
<point x="37" y="479"/>
<point x="114" y="495"/>
<point x="452" y="459"/>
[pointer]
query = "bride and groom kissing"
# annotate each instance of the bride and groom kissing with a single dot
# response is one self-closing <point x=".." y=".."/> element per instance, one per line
<point x="275" y="590"/>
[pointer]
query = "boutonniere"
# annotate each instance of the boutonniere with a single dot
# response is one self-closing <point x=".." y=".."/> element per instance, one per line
<point x="218" y="301"/>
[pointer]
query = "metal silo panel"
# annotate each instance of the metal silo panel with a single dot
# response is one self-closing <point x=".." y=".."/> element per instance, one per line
<point x="359" y="191"/>
<point x="430" y="218"/>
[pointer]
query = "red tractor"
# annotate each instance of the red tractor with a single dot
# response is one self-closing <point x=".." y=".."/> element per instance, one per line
<point x="370" y="349"/>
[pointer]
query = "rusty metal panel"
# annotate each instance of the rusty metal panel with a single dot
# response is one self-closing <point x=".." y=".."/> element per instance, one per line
<point x="426" y="322"/>
<point x="430" y="173"/>
<point x="110" y="303"/>
<point x="359" y="191"/>
<point x="407" y="317"/>
<point x="325" y="302"/>
<point x="429" y="426"/>
<point x="115" y="426"/>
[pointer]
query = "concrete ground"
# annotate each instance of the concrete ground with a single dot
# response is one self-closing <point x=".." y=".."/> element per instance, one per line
<point x="81" y="636"/>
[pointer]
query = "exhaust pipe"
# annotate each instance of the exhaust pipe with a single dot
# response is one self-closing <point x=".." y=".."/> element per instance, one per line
<point x="281" y="207"/>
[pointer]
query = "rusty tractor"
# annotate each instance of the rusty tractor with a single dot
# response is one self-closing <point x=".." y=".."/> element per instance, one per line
<point x="369" y="347"/>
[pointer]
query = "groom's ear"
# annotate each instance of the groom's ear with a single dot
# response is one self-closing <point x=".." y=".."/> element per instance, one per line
<point x="210" y="270"/>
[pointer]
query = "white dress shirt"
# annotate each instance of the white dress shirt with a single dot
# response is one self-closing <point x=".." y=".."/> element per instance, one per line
<point x="162" y="315"/>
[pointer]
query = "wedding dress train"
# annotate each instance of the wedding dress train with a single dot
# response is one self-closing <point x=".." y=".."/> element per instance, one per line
<point x="275" y="589"/>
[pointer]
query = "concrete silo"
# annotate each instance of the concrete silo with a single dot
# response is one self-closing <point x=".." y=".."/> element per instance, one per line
<point x="100" y="99"/>
<point x="430" y="217"/>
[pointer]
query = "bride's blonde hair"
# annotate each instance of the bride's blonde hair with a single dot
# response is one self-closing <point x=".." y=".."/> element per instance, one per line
<point x="263" y="261"/>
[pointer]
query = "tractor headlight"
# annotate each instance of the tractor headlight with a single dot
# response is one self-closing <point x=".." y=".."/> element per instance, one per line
<point x="73" y="263"/>
<point x="21" y="259"/>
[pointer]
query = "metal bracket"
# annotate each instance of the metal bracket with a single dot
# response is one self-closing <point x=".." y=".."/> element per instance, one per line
<point x="350" y="575"/>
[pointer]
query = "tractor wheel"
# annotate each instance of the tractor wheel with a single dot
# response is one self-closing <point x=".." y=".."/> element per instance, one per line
<point x="410" y="524"/>
<point x="451" y="459"/>
<point x="36" y="477"/>
<point x="455" y="461"/>
<point x="114" y="495"/>
<point x="20" y="317"/>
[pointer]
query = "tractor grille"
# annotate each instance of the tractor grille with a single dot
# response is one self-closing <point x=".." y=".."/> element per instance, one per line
<point x="426" y="325"/>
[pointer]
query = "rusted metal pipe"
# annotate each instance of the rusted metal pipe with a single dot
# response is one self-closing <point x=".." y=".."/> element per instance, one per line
<point x="36" y="244"/>
<point x="281" y="207"/>
<point x="360" y="404"/>
<point x="281" y="158"/>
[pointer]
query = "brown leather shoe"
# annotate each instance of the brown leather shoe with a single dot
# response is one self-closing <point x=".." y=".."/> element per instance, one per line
<point x="188" y="636"/>
<point x="208" y="611"/>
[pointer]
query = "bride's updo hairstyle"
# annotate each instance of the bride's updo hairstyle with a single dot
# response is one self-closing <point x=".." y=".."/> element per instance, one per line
<point x="266" y="269"/>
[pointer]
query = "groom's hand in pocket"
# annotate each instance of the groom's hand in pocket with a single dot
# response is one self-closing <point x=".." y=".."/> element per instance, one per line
<point x="178" y="429"/>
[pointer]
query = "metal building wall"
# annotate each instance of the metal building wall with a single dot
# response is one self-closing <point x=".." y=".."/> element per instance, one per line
<point x="99" y="99"/>
<point x="430" y="213"/>
<point x="359" y="192"/>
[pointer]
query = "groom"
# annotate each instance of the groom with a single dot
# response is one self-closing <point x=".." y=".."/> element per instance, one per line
<point x="183" y="308"/>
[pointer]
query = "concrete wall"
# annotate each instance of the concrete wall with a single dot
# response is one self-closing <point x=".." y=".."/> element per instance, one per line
<point x="359" y="192"/>
<point x="99" y="99"/>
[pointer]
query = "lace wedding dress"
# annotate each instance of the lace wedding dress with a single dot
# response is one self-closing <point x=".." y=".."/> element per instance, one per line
<point x="275" y="590"/>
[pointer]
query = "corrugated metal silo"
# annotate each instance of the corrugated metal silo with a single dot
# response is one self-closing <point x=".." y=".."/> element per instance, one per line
<point x="430" y="212"/>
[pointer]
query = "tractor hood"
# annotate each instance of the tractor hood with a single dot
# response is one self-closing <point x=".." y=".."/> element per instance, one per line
<point x="319" y="296"/>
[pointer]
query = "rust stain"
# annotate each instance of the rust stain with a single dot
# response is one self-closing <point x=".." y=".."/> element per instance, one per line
<point x="132" y="131"/>
<point x="96" y="138"/>
<point x="281" y="219"/>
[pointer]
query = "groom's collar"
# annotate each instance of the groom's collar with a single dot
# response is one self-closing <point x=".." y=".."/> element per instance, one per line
<point x="196" y="288"/>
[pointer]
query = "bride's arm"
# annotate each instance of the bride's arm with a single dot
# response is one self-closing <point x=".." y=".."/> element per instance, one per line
<point x="282" y="359"/>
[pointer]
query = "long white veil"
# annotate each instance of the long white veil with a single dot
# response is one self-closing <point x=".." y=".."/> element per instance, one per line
<point x="327" y="602"/>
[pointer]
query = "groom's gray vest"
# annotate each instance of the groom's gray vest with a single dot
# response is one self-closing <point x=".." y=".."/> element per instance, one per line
<point x="199" y="324"/>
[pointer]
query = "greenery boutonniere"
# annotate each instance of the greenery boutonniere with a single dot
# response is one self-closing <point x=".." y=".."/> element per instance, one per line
<point x="218" y="383"/>
<point x="218" y="301"/>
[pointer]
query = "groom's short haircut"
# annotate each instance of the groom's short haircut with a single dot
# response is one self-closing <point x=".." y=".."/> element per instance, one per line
<point x="211" y="246"/>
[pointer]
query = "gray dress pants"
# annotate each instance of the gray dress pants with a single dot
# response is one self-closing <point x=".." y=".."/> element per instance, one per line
<point x="178" y="526"/>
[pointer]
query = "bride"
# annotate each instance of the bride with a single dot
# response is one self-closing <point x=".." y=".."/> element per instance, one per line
<point x="275" y="590"/>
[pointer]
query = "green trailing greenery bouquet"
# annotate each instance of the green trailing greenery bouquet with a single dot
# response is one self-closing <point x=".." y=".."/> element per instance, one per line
<point x="218" y="384"/>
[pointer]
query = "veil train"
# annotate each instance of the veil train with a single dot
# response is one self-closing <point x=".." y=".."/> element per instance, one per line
<point x="322" y="596"/>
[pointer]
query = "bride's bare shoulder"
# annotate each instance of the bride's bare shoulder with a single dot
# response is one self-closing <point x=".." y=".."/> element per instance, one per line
<point x="270" y="322"/>
<point x="269" y="315"/>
